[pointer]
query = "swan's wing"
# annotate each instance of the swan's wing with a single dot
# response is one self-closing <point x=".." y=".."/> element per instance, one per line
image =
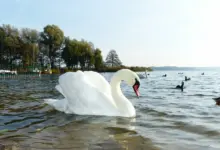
<point x="98" y="81"/>
<point x="58" y="88"/>
<point x="82" y="97"/>
<point x="60" y="105"/>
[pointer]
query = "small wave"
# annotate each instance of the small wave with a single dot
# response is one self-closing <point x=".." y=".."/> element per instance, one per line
<point x="153" y="112"/>
<point x="117" y="130"/>
<point x="171" y="115"/>
<point x="198" y="129"/>
<point x="199" y="95"/>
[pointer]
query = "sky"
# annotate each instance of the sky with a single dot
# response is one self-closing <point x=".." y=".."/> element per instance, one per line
<point x="143" y="32"/>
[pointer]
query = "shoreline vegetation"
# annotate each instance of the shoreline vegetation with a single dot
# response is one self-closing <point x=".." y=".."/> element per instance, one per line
<point x="106" y="69"/>
<point x="49" y="51"/>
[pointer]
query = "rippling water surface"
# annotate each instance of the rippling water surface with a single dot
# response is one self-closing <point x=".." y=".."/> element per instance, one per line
<point x="166" y="118"/>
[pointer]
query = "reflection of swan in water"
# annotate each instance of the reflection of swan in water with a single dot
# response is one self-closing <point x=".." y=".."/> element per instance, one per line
<point x="88" y="93"/>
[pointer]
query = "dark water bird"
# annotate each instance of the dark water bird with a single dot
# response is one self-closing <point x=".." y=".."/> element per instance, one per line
<point x="164" y="75"/>
<point x="203" y="73"/>
<point x="187" y="79"/>
<point x="180" y="86"/>
<point x="217" y="100"/>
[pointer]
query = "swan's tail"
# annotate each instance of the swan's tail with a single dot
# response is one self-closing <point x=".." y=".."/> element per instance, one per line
<point x="60" y="105"/>
<point x="58" y="88"/>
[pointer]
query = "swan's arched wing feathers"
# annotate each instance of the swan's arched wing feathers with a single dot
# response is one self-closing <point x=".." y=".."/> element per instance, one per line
<point x="98" y="81"/>
<point x="58" y="88"/>
<point x="83" y="97"/>
<point x="60" y="105"/>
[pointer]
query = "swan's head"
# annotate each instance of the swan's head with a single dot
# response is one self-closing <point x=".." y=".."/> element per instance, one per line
<point x="136" y="87"/>
<point x="131" y="78"/>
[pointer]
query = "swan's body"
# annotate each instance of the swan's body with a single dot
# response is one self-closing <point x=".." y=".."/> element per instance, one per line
<point x="88" y="93"/>
<point x="141" y="76"/>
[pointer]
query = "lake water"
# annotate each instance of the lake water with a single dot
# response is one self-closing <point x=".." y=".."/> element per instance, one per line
<point x="167" y="118"/>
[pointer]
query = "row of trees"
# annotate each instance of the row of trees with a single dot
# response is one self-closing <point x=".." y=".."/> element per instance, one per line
<point x="28" y="47"/>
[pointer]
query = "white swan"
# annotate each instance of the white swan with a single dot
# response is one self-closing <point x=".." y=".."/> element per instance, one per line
<point x="88" y="93"/>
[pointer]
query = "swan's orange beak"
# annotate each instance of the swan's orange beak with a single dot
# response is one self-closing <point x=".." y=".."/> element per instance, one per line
<point x="135" y="87"/>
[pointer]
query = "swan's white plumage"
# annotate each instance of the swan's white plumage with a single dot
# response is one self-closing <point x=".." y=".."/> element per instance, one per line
<point x="98" y="81"/>
<point x="88" y="93"/>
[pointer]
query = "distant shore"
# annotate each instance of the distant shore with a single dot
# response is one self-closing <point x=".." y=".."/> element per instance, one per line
<point x="175" y="68"/>
<point x="106" y="69"/>
<point x="63" y="70"/>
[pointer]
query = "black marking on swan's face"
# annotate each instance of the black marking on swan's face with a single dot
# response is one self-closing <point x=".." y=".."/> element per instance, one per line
<point x="136" y="87"/>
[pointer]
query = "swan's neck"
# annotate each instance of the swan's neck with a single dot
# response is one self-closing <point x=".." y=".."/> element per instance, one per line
<point x="123" y="104"/>
<point x="115" y="86"/>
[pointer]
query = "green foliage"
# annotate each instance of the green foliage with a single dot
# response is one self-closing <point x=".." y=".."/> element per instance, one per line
<point x="98" y="60"/>
<point x="71" y="52"/>
<point x="10" y="44"/>
<point x="53" y="37"/>
<point x="25" y="47"/>
<point x="30" y="36"/>
<point x="30" y="47"/>
<point x="78" y="52"/>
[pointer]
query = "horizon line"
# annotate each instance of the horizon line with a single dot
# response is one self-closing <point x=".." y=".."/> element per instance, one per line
<point x="190" y="66"/>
